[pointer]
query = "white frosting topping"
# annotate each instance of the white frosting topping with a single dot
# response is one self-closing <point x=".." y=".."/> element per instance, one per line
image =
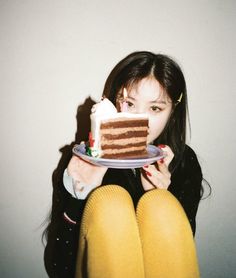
<point x="104" y="107"/>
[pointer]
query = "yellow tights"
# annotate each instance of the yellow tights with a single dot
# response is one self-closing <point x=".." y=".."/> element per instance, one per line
<point x="156" y="241"/>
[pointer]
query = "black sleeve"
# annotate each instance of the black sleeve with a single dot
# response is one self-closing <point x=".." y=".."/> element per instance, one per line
<point x="64" y="240"/>
<point x="186" y="185"/>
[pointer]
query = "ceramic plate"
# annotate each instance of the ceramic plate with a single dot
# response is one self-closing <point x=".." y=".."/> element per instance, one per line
<point x="154" y="154"/>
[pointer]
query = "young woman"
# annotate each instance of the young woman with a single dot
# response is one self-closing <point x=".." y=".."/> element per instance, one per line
<point x="132" y="222"/>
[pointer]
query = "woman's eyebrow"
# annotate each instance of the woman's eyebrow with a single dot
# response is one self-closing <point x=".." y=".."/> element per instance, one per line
<point x="132" y="98"/>
<point x="161" y="101"/>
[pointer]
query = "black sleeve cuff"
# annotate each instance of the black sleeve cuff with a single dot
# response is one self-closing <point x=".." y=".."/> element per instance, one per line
<point x="75" y="208"/>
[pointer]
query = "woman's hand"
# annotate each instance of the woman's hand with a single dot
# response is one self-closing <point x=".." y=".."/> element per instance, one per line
<point x="83" y="172"/>
<point x="158" y="175"/>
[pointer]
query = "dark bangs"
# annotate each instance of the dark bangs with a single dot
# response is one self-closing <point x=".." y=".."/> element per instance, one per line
<point x="128" y="72"/>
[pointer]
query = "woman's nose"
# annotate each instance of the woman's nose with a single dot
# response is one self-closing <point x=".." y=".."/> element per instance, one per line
<point x="140" y="110"/>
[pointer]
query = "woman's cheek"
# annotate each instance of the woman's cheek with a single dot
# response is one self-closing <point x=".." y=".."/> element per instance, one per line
<point x="156" y="126"/>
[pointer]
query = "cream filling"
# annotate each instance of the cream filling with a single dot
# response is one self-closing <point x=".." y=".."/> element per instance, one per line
<point x="123" y="142"/>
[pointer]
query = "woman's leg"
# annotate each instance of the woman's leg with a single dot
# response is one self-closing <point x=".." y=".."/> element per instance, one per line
<point x="109" y="245"/>
<point x="166" y="235"/>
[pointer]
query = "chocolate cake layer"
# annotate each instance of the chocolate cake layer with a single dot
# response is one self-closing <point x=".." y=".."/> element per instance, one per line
<point x="128" y="154"/>
<point x="124" y="123"/>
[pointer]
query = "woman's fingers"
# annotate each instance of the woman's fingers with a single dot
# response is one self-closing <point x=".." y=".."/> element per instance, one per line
<point x="157" y="178"/>
<point x="163" y="167"/>
<point x="168" y="154"/>
<point x="158" y="175"/>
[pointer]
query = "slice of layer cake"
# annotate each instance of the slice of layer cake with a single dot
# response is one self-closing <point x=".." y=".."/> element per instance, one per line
<point x="117" y="135"/>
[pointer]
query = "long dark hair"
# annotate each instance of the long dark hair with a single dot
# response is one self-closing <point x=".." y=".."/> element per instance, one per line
<point x="167" y="72"/>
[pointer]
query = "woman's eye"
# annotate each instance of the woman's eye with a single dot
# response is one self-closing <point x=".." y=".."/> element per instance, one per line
<point x="155" y="109"/>
<point x="130" y="104"/>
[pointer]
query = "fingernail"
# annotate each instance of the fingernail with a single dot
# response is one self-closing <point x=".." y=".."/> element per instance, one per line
<point x="145" y="166"/>
<point x="148" y="173"/>
<point x="161" y="160"/>
<point x="161" y="146"/>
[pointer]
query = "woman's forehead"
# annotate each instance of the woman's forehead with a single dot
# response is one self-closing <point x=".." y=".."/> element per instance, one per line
<point x="147" y="89"/>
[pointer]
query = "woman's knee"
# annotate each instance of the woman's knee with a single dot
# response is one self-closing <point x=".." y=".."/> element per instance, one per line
<point x="158" y="198"/>
<point x="107" y="205"/>
<point x="109" y="196"/>
<point x="161" y="207"/>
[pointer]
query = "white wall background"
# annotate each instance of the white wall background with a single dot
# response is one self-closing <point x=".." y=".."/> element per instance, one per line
<point x="55" y="53"/>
